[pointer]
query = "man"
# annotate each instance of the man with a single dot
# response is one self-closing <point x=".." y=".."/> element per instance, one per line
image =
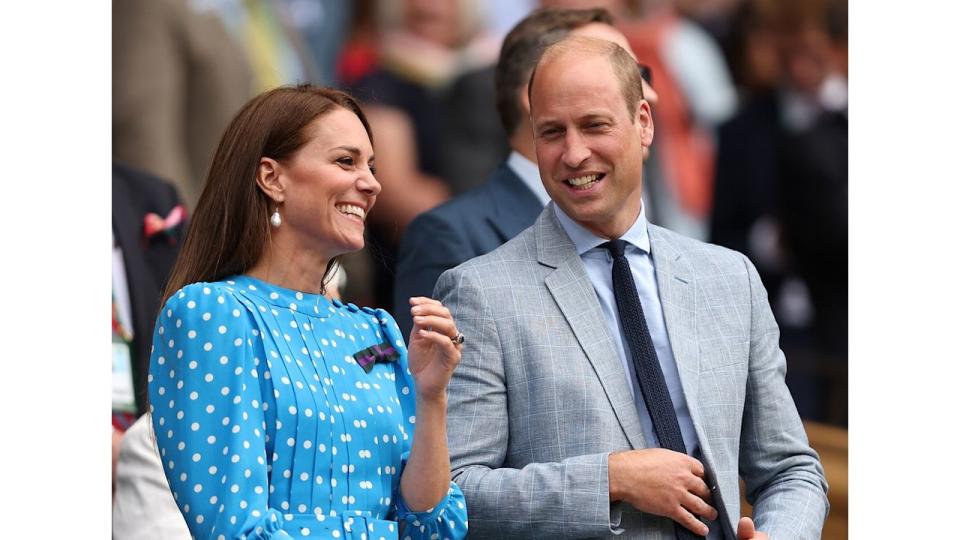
<point x="618" y="378"/>
<point x="511" y="199"/>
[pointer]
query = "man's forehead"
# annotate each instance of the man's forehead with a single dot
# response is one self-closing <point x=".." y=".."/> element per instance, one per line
<point x="571" y="76"/>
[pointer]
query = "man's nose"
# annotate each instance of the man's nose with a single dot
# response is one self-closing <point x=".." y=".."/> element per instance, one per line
<point x="575" y="151"/>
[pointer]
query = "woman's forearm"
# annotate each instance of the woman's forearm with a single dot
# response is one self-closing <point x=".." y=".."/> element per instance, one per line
<point x="426" y="478"/>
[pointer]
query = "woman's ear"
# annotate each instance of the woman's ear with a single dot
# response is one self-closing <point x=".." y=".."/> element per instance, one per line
<point x="269" y="179"/>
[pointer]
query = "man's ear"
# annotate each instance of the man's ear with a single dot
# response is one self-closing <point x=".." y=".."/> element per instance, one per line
<point x="270" y="180"/>
<point x="523" y="98"/>
<point x="643" y="120"/>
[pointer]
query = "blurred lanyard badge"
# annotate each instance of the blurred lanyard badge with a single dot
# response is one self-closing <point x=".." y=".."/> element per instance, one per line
<point x="122" y="337"/>
<point x="123" y="399"/>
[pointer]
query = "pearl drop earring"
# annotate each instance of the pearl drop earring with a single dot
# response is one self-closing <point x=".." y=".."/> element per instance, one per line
<point x="275" y="220"/>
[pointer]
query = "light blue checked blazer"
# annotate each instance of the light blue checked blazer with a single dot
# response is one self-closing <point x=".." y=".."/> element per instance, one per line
<point x="540" y="397"/>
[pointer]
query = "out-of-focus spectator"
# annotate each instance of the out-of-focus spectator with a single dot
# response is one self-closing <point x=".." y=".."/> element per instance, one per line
<point x="143" y="506"/>
<point x="697" y="94"/>
<point x="781" y="186"/>
<point x="178" y="77"/>
<point x="148" y="223"/>
<point x="323" y="27"/>
<point x="423" y="45"/>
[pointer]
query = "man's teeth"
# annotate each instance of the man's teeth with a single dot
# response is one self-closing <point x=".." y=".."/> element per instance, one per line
<point x="352" y="210"/>
<point x="583" y="180"/>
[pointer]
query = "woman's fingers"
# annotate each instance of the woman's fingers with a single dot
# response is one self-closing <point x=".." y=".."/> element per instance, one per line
<point x="436" y="323"/>
<point x="440" y="340"/>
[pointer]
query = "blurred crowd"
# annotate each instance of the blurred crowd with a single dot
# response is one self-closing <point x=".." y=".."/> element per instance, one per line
<point x="750" y="151"/>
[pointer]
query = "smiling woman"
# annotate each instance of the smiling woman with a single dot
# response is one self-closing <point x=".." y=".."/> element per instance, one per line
<point x="280" y="413"/>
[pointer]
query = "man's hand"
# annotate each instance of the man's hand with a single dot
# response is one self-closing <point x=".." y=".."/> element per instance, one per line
<point x="746" y="530"/>
<point x="662" y="482"/>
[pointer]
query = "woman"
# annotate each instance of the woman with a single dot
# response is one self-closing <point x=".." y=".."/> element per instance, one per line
<point x="277" y="412"/>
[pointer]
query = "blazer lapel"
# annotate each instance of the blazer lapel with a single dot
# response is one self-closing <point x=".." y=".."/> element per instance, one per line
<point x="515" y="207"/>
<point x="677" y="289"/>
<point x="574" y="294"/>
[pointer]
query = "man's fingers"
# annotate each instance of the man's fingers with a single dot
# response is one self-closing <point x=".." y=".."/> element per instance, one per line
<point x="745" y="529"/>
<point x="685" y="518"/>
<point x="699" y="488"/>
<point x="696" y="467"/>
<point x="699" y="507"/>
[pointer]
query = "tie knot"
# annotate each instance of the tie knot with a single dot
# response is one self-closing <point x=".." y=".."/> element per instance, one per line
<point x="615" y="247"/>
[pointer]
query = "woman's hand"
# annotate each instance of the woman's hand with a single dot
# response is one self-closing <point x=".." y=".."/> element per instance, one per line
<point x="432" y="353"/>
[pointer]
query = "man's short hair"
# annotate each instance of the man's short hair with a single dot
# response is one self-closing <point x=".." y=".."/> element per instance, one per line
<point x="625" y="68"/>
<point x="522" y="48"/>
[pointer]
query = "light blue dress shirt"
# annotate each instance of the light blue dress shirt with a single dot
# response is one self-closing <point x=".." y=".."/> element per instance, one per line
<point x="599" y="265"/>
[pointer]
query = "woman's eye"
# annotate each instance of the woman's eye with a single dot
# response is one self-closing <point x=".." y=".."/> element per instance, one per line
<point x="373" y="170"/>
<point x="345" y="161"/>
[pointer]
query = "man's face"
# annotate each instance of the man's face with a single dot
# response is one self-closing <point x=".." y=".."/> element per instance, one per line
<point x="588" y="149"/>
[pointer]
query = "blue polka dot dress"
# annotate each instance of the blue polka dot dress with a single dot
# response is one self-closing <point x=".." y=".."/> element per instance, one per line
<point x="280" y="414"/>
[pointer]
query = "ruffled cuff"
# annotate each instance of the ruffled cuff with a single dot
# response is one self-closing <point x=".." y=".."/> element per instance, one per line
<point x="446" y="520"/>
<point x="267" y="527"/>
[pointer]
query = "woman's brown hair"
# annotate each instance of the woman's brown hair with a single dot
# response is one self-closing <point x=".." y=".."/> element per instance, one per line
<point x="229" y="227"/>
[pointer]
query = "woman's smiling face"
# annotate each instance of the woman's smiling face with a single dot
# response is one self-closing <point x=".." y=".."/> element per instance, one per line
<point x="329" y="185"/>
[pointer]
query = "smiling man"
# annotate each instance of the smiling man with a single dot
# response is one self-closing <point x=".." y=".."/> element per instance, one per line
<point x="618" y="379"/>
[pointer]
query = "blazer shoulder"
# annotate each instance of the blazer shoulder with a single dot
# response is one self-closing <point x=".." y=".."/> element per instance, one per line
<point x="511" y="256"/>
<point x="698" y="252"/>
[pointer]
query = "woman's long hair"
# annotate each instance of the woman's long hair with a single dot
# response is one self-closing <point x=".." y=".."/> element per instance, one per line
<point x="229" y="227"/>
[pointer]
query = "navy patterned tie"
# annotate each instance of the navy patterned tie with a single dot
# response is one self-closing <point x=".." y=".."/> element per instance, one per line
<point x="650" y="376"/>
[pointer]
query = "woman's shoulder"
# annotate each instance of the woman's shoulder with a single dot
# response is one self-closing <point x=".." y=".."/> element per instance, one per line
<point x="206" y="300"/>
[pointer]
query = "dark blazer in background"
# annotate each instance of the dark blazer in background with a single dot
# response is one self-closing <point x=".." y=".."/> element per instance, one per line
<point x="465" y="227"/>
<point x="147" y="262"/>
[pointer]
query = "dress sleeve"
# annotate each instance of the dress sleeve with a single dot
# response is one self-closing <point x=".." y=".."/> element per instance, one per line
<point x="448" y="519"/>
<point x="206" y="402"/>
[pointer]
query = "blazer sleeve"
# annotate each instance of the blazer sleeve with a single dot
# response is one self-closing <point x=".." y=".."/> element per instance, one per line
<point x="430" y="246"/>
<point x="564" y="499"/>
<point x="783" y="475"/>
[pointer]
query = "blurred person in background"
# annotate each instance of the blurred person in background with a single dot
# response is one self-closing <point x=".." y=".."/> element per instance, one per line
<point x="250" y="358"/>
<point x="182" y="68"/>
<point x="148" y="223"/>
<point x="781" y="187"/>
<point x="422" y="46"/>
<point x="178" y="77"/>
<point x="481" y="220"/>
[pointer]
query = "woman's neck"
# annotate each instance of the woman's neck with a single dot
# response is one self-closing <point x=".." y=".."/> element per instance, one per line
<point x="299" y="269"/>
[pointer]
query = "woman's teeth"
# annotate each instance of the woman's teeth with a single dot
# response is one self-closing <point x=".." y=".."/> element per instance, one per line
<point x="353" y="210"/>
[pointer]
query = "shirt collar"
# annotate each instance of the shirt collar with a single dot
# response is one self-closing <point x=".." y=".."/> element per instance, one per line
<point x="584" y="240"/>
<point x="529" y="174"/>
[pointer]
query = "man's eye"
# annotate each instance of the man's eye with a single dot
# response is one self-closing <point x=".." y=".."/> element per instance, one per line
<point x="550" y="133"/>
